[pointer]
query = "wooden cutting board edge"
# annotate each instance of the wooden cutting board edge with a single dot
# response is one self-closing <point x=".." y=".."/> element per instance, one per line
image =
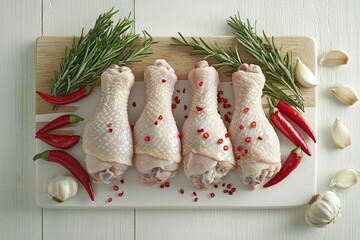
<point x="50" y="51"/>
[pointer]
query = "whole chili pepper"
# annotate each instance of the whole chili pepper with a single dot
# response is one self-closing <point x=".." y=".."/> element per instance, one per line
<point x="59" y="141"/>
<point x="287" y="128"/>
<point x="71" y="164"/>
<point x="59" y="122"/>
<point x="292" y="161"/>
<point x="72" y="97"/>
<point x="295" y="116"/>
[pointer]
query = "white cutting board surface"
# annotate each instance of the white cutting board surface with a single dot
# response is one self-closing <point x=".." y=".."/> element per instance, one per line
<point x="295" y="190"/>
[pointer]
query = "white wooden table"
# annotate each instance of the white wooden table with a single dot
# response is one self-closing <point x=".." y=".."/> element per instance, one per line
<point x="334" y="24"/>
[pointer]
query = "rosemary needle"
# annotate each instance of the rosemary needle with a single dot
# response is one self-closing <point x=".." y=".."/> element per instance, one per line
<point x="277" y="69"/>
<point x="92" y="53"/>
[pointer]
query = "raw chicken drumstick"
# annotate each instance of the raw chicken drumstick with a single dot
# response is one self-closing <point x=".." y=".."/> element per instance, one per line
<point x="157" y="139"/>
<point x="256" y="145"/>
<point x="207" y="151"/>
<point x="107" y="138"/>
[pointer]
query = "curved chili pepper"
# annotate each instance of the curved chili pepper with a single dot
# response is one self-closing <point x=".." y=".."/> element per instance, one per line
<point x="295" y="116"/>
<point x="59" y="141"/>
<point x="292" y="161"/>
<point x="71" y="164"/>
<point x="287" y="128"/>
<point x="72" y="97"/>
<point x="59" y="122"/>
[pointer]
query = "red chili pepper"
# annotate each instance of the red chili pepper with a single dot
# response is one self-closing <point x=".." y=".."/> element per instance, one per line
<point x="292" y="161"/>
<point x="71" y="164"/>
<point x="295" y="116"/>
<point x="59" y="141"/>
<point x="72" y="97"/>
<point x="59" y="122"/>
<point x="287" y="128"/>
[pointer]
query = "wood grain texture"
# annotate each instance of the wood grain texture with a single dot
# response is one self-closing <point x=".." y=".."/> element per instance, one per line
<point x="20" y="23"/>
<point x="333" y="25"/>
<point x="224" y="224"/>
<point x="50" y="52"/>
<point x="67" y="18"/>
<point x="88" y="225"/>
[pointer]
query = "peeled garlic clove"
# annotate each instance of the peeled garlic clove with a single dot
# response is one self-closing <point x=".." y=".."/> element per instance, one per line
<point x="304" y="75"/>
<point x="324" y="208"/>
<point x="61" y="188"/>
<point x="345" y="178"/>
<point x="340" y="134"/>
<point x="344" y="93"/>
<point x="334" y="58"/>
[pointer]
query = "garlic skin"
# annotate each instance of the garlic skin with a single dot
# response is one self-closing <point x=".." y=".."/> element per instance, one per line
<point x="345" y="178"/>
<point x="324" y="208"/>
<point x="340" y="134"/>
<point x="334" y="58"/>
<point x="61" y="188"/>
<point x="344" y="93"/>
<point x="304" y="75"/>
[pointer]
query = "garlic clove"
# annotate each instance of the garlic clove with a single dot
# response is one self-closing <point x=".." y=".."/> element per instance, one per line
<point x="324" y="208"/>
<point x="344" y="93"/>
<point x="61" y="188"/>
<point x="334" y="58"/>
<point x="304" y="75"/>
<point x="340" y="134"/>
<point x="345" y="178"/>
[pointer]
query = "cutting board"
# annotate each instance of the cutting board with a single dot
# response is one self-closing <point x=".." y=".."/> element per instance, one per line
<point x="296" y="190"/>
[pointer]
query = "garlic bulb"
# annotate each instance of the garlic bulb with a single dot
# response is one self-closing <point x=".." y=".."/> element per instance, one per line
<point x="345" y="178"/>
<point x="324" y="208"/>
<point x="334" y="58"/>
<point x="344" y="93"/>
<point x="61" y="188"/>
<point x="340" y="134"/>
<point x="304" y="75"/>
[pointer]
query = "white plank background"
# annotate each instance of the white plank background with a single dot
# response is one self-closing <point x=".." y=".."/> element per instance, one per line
<point x="334" y="24"/>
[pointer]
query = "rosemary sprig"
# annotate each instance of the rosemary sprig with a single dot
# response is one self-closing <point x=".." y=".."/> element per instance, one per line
<point x="103" y="45"/>
<point x="226" y="58"/>
<point x="277" y="69"/>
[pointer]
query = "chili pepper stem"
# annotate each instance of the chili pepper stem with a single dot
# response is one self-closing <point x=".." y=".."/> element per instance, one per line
<point x="271" y="106"/>
<point x="44" y="155"/>
<point x="297" y="150"/>
<point x="75" y="118"/>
